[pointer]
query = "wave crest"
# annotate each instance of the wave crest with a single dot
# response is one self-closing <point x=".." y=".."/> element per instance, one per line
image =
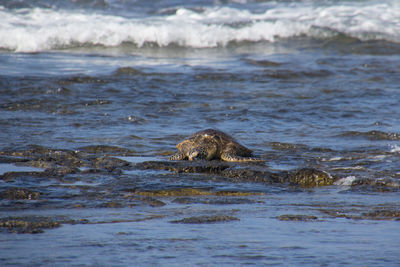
<point x="37" y="29"/>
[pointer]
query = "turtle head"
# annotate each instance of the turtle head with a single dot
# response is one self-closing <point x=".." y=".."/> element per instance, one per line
<point x="206" y="153"/>
<point x="195" y="154"/>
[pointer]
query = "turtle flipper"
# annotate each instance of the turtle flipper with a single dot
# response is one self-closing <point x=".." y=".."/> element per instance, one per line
<point x="178" y="156"/>
<point x="234" y="158"/>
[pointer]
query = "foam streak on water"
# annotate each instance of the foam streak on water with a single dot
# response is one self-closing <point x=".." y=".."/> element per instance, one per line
<point x="41" y="29"/>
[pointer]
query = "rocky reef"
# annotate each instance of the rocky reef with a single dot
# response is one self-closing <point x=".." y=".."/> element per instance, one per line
<point x="102" y="177"/>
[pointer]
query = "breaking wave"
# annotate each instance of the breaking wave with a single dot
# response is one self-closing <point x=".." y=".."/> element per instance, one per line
<point x="41" y="29"/>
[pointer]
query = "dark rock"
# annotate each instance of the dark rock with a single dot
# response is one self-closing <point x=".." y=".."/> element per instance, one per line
<point x="184" y="166"/>
<point x="382" y="215"/>
<point x="216" y="201"/>
<point x="173" y="192"/>
<point x="11" y="159"/>
<point x="252" y="175"/>
<point x="109" y="163"/>
<point x="128" y="71"/>
<point x="10" y="176"/>
<point x="19" y="193"/>
<point x="287" y="146"/>
<point x="380" y="185"/>
<point x="28" y="224"/>
<point x="81" y="79"/>
<point x="373" y="135"/>
<point x="297" y="217"/>
<point x="112" y="204"/>
<point x="42" y="157"/>
<point x="103" y="149"/>
<point x="386" y="213"/>
<point x="309" y="177"/>
<point x="152" y="201"/>
<point x="60" y="171"/>
<point x="206" y="219"/>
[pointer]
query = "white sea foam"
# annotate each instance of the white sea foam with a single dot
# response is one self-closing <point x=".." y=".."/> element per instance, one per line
<point x="37" y="29"/>
<point x="346" y="181"/>
<point x="395" y="148"/>
<point x="333" y="159"/>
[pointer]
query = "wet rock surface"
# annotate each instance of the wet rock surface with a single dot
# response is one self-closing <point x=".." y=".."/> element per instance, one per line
<point x="206" y="219"/>
<point x="307" y="177"/>
<point x="297" y="217"/>
<point x="59" y="163"/>
<point x="19" y="193"/>
<point x="28" y="224"/>
<point x="384" y="213"/>
<point x="310" y="178"/>
<point x="102" y="177"/>
<point x="212" y="167"/>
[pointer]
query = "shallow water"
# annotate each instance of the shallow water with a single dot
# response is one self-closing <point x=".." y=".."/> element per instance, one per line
<point x="303" y="84"/>
<point x="258" y="238"/>
<point x="7" y="167"/>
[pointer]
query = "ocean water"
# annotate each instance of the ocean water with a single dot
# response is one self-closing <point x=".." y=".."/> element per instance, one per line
<point x="302" y="83"/>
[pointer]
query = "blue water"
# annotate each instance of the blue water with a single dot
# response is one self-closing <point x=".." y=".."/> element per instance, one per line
<point x="303" y="84"/>
<point x="257" y="239"/>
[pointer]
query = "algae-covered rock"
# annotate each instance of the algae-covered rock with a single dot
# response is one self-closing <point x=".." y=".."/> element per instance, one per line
<point x="184" y="166"/>
<point x="28" y="224"/>
<point x="105" y="150"/>
<point x="189" y="191"/>
<point x="297" y="217"/>
<point x="19" y="193"/>
<point x="152" y="201"/>
<point x="384" y="214"/>
<point x="109" y="163"/>
<point x="53" y="159"/>
<point x="309" y="177"/>
<point x="174" y="192"/>
<point x="253" y="175"/>
<point x="215" y="200"/>
<point x="206" y="219"/>
<point x="390" y="213"/>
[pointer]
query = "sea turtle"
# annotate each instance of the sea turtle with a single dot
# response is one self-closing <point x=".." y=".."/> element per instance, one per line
<point x="212" y="144"/>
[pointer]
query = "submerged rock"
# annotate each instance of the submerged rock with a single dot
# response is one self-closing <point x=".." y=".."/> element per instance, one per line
<point x="384" y="214"/>
<point x="206" y="219"/>
<point x="297" y="217"/>
<point x="381" y="185"/>
<point x="103" y="149"/>
<point x="109" y="163"/>
<point x="214" y="201"/>
<point x="174" y="192"/>
<point x="58" y="163"/>
<point x="152" y="201"/>
<point x="10" y="176"/>
<point x="250" y="174"/>
<point x="389" y="212"/>
<point x="307" y="177"/>
<point x="97" y="159"/>
<point x="184" y="166"/>
<point x="19" y="193"/>
<point x="28" y="224"/>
